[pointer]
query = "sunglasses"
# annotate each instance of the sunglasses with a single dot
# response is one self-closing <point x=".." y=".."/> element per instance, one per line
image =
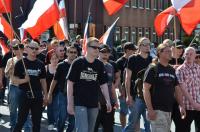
<point x="42" y="45"/>
<point x="62" y="50"/>
<point x="72" y="52"/>
<point x="197" y="57"/>
<point x="33" y="48"/>
<point x="104" y="51"/>
<point x="94" y="47"/>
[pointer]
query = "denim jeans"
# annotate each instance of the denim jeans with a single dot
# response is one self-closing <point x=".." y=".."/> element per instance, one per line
<point x="13" y="98"/>
<point x="50" y="114"/>
<point x="85" y="118"/>
<point x="139" y="108"/>
<point x="59" y="103"/>
<point x="25" y="106"/>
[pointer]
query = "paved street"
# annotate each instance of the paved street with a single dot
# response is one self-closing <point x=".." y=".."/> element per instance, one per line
<point x="4" y="122"/>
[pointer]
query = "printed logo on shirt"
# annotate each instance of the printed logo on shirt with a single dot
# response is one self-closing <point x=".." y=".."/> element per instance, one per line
<point x="168" y="78"/>
<point x="88" y="75"/>
<point x="32" y="72"/>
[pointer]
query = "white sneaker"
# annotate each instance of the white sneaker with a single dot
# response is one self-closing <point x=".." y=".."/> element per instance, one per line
<point x="50" y="127"/>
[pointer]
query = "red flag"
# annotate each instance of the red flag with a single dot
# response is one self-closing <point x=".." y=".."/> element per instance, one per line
<point x="162" y="20"/>
<point x="112" y="6"/>
<point x="5" y="6"/>
<point x="6" y="28"/>
<point x="43" y="15"/>
<point x="4" y="47"/>
<point x="60" y="28"/>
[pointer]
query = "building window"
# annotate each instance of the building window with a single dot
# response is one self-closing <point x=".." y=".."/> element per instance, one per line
<point x="166" y="4"/>
<point x="147" y="33"/>
<point x="126" y="33"/>
<point x="141" y="4"/>
<point x="154" y="37"/>
<point x="134" y="3"/>
<point x="147" y="4"/>
<point x="155" y="5"/>
<point x="166" y="34"/>
<point x="128" y="3"/>
<point x="133" y="35"/>
<point x="117" y="33"/>
<point x="161" y="5"/>
<point x="140" y="33"/>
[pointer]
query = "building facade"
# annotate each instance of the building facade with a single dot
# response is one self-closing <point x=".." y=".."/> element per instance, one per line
<point x="136" y="18"/>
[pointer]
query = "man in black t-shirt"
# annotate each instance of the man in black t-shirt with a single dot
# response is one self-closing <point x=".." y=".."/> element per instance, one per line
<point x="32" y="83"/>
<point x="135" y="64"/>
<point x="160" y="87"/>
<point x="129" y="49"/>
<point x="58" y="90"/>
<point x="86" y="77"/>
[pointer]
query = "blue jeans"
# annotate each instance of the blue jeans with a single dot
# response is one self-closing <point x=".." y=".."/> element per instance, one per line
<point x="139" y="108"/>
<point x="13" y="98"/>
<point x="85" y="118"/>
<point x="50" y="114"/>
<point x="59" y="103"/>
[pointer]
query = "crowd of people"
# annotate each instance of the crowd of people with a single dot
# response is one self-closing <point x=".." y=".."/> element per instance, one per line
<point x="160" y="83"/>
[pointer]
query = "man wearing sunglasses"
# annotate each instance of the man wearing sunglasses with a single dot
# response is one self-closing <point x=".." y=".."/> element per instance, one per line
<point x="57" y="92"/>
<point x="32" y="83"/>
<point x="86" y="77"/>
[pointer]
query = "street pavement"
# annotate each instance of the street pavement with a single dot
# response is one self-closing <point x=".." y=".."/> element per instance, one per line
<point x="4" y="122"/>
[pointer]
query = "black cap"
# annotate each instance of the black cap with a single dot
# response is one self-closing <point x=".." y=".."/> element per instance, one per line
<point x="104" y="47"/>
<point x="179" y="43"/>
<point x="194" y="45"/>
<point x="130" y="46"/>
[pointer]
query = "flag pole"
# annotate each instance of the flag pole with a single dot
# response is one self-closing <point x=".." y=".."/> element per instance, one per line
<point x="196" y="35"/>
<point x="10" y="20"/>
<point x="175" y="38"/>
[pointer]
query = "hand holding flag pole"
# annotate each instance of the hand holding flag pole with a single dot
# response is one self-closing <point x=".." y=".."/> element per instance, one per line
<point x="10" y="20"/>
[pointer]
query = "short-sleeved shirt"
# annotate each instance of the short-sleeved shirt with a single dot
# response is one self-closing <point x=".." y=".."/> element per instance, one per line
<point x="5" y="58"/>
<point x="163" y="81"/>
<point x="122" y="63"/>
<point x="60" y="76"/>
<point x="87" y="78"/>
<point x="137" y="63"/>
<point x="36" y="71"/>
<point x="190" y="76"/>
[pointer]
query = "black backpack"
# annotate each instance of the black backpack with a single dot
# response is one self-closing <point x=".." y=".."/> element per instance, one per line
<point x="138" y="88"/>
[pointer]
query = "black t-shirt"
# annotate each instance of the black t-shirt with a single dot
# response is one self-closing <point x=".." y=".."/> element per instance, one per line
<point x="5" y="58"/>
<point x="1" y="61"/>
<point x="122" y="63"/>
<point x="116" y="69"/>
<point x="87" y="78"/>
<point x="49" y="78"/>
<point x="179" y="61"/>
<point x="41" y="56"/>
<point x="137" y="63"/>
<point x="162" y="92"/>
<point x="60" y="76"/>
<point x="36" y="71"/>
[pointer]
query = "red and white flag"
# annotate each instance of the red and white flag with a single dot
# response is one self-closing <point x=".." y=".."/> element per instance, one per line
<point x="186" y="10"/>
<point x="5" y="6"/>
<point x="162" y="20"/>
<point x="85" y="36"/>
<point x="4" y="47"/>
<point x="5" y="28"/>
<point x="44" y="14"/>
<point x="108" y="34"/>
<point x="113" y="6"/>
<point x="60" y="28"/>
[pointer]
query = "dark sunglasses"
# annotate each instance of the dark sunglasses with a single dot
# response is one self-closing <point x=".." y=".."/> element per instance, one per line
<point x="197" y="57"/>
<point x="33" y="48"/>
<point x="42" y="45"/>
<point x="94" y="47"/>
<point x="72" y="52"/>
<point x="62" y="50"/>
